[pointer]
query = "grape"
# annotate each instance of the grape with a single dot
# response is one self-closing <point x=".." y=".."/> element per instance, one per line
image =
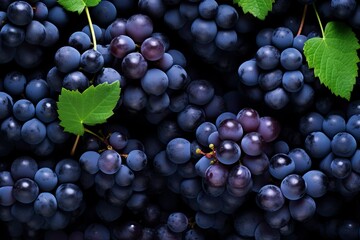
<point x="35" y="32"/>
<point x="281" y="165"/>
<point x="230" y="129"/>
<point x="277" y="98"/>
<point x="190" y="118"/>
<point x="46" y="179"/>
<point x="340" y="167"/>
<point x="6" y="179"/>
<point x="267" y="57"/>
<point x="12" y="35"/>
<point x="76" y="81"/>
<point x="291" y="59"/>
<point x="263" y="230"/>
<point x="68" y="196"/>
<point x="67" y="170"/>
<point x="67" y="59"/>
<point x="279" y="218"/>
<point x="23" y="167"/>
<point x="239" y="176"/>
<point x="303" y="208"/>
<point x="317" y="144"/>
<point x="252" y="144"/>
<point x="292" y="81"/>
<point x="136" y="160"/>
<point x="177" y="222"/>
<point x="45" y="110"/>
<point x="139" y="27"/>
<point x="204" y="31"/>
<point x="342" y="9"/>
<point x="56" y="133"/>
<point x="25" y="190"/>
<point x="228" y="152"/>
<point x="7" y="197"/>
<point x="45" y="205"/>
<point x="208" y="9"/>
<point x="107" y="11"/>
<point x="109" y="162"/>
<point x="20" y="13"/>
<point x="163" y="165"/>
<point x="301" y="159"/>
<point x="154" y="82"/>
<point x="293" y="187"/>
<point x="317" y="183"/>
<point x="178" y="150"/>
<point x="269" y="128"/>
<point x="204" y="220"/>
<point x="282" y="37"/>
<point x="216" y="175"/>
<point x="190" y="188"/>
<point x="270" y="80"/>
<point x="270" y="198"/>
<point x="91" y="61"/>
<point x="311" y="122"/>
<point x="10" y="128"/>
<point x="246" y="222"/>
<point x="200" y="92"/>
<point x="23" y="110"/>
<point x="33" y="131"/>
<point x="203" y="132"/>
<point x="256" y="164"/>
<point x="343" y="144"/>
<point x="79" y="40"/>
<point x="152" y="49"/>
<point x="134" y="65"/>
<point x="36" y="89"/>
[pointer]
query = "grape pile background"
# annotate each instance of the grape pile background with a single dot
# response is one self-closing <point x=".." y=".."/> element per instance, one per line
<point x="221" y="132"/>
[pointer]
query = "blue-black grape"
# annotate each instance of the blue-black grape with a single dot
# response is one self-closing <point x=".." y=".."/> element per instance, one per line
<point x="293" y="187"/>
<point x="45" y="204"/>
<point x="69" y="196"/>
<point x="177" y="222"/>
<point x="25" y="190"/>
<point x="68" y="170"/>
<point x="46" y="179"/>
<point x="270" y="198"/>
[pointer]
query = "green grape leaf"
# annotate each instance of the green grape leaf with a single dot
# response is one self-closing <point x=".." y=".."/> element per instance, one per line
<point x="78" y="5"/>
<point x="334" y="58"/>
<point x="93" y="106"/>
<point x="258" y="8"/>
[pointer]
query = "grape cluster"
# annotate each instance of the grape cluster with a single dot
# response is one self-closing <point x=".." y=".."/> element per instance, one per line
<point x="215" y="31"/>
<point x="278" y="69"/>
<point x="28" y="30"/>
<point x="29" y="121"/>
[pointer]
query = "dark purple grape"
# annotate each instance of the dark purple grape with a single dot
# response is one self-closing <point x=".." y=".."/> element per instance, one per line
<point x="249" y="119"/>
<point x="228" y="152"/>
<point x="216" y="175"/>
<point x="152" y="49"/>
<point x="239" y="176"/>
<point x="252" y="144"/>
<point x="230" y="129"/>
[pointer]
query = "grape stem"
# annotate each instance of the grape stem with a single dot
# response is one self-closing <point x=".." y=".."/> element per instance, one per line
<point x="302" y="20"/>
<point x="318" y="18"/>
<point x="91" y="27"/>
<point x="102" y="139"/>
<point x="75" y="145"/>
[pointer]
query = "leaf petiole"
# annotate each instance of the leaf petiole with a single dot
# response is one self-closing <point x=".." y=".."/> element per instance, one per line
<point x="318" y="18"/>
<point x="91" y="27"/>
<point x="94" y="134"/>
